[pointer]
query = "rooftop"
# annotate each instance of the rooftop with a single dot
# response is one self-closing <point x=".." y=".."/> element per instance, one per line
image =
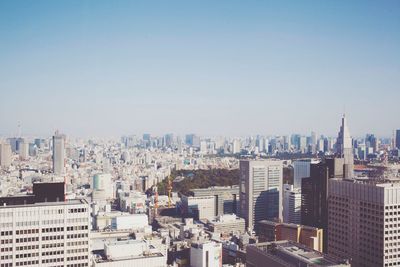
<point x="288" y="249"/>
<point x="43" y="204"/>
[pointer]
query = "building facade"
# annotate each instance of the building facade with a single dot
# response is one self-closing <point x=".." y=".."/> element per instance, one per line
<point x="260" y="190"/>
<point x="226" y="198"/>
<point x="45" y="234"/>
<point x="58" y="154"/>
<point x="363" y="218"/>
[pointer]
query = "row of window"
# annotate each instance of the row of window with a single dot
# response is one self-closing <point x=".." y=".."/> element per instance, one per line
<point x="5" y="233"/>
<point x="52" y="237"/>
<point x="27" y="255"/>
<point x="76" y="228"/>
<point x="26" y="239"/>
<point x="77" y="210"/>
<point x="27" y="247"/>
<point x="77" y="236"/>
<point x="27" y="231"/>
<point x="36" y="262"/>
<point x="77" y="258"/>
<point x="50" y="253"/>
<point x="53" y="229"/>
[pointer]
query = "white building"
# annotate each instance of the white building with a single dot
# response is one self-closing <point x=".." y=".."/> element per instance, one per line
<point x="208" y="254"/>
<point x="45" y="234"/>
<point x="291" y="204"/>
<point x="103" y="187"/>
<point x="129" y="253"/>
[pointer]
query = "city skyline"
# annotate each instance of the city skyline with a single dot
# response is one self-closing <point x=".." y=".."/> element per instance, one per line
<point x="226" y="68"/>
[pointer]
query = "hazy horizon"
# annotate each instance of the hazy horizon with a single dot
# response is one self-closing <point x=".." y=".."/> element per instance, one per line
<point x="112" y="68"/>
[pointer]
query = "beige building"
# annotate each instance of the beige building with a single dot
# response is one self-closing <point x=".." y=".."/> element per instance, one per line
<point x="311" y="237"/>
<point x="364" y="220"/>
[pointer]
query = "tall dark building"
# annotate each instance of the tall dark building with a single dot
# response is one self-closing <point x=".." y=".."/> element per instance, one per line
<point x="398" y="139"/>
<point x="314" y="191"/>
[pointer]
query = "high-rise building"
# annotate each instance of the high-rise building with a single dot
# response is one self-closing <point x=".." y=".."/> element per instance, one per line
<point x="206" y="254"/>
<point x="301" y="169"/>
<point x="314" y="193"/>
<point x="23" y="150"/>
<point x="363" y="219"/>
<point x="5" y="155"/>
<point x="102" y="186"/>
<point x="291" y="204"/>
<point x="58" y="154"/>
<point x="398" y="139"/>
<point x="344" y="149"/>
<point x="45" y="234"/>
<point x="260" y="190"/>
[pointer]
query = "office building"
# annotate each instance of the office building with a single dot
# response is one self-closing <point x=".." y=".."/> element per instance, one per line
<point x="206" y="254"/>
<point x="312" y="237"/>
<point x="344" y="149"/>
<point x="260" y="190"/>
<point x="23" y="151"/>
<point x="291" y="204"/>
<point x="227" y="223"/>
<point x="45" y="234"/>
<point x="103" y="187"/>
<point x="226" y="198"/>
<point x="5" y="155"/>
<point x="288" y="254"/>
<point x="398" y="139"/>
<point x="301" y="169"/>
<point x="199" y="208"/>
<point x="364" y="217"/>
<point x="58" y="154"/>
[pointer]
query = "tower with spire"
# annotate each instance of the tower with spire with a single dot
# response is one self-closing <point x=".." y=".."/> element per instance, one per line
<point x="344" y="149"/>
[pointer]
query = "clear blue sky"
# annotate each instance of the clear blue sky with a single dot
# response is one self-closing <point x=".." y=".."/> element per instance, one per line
<point x="105" y="68"/>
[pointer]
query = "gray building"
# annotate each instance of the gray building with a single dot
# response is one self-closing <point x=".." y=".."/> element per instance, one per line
<point x="363" y="217"/>
<point x="287" y="254"/>
<point x="398" y="139"/>
<point x="344" y="149"/>
<point x="260" y="190"/>
<point x="58" y="154"/>
<point x="226" y="198"/>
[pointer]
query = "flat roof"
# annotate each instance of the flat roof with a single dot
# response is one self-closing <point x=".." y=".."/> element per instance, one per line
<point x="42" y="204"/>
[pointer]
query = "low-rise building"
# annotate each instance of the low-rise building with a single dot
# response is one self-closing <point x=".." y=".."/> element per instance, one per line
<point x="228" y="223"/>
<point x="286" y="254"/>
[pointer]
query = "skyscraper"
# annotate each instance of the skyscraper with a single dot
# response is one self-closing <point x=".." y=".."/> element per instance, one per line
<point x="344" y="149"/>
<point x="363" y="217"/>
<point x="5" y="155"/>
<point x="398" y="139"/>
<point x="58" y="154"/>
<point x="291" y="204"/>
<point x="260" y="190"/>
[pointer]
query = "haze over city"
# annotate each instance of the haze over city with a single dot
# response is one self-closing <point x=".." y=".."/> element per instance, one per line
<point x="109" y="68"/>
